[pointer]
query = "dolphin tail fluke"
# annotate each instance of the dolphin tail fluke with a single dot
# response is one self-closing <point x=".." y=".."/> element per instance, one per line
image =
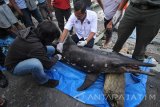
<point x="89" y="80"/>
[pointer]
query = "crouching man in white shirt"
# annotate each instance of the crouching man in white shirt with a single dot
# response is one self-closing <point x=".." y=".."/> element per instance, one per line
<point x="85" y="25"/>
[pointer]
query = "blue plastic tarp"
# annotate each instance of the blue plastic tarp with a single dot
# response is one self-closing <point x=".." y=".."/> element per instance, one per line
<point x="5" y="42"/>
<point x="70" y="79"/>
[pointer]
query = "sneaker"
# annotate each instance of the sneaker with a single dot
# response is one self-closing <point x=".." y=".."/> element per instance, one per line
<point x="51" y="83"/>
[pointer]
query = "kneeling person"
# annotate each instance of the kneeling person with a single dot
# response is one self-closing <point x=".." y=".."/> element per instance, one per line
<point x="85" y="24"/>
<point x="28" y="53"/>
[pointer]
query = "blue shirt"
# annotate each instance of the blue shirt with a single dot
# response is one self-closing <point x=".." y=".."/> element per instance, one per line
<point x="21" y="4"/>
<point x="41" y="1"/>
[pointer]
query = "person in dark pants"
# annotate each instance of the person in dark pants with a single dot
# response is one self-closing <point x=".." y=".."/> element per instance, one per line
<point x="26" y="9"/>
<point x="85" y="24"/>
<point x="62" y="11"/>
<point x="145" y="16"/>
<point x="109" y="8"/>
<point x="45" y="10"/>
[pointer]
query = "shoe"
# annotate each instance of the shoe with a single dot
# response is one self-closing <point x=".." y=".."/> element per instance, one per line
<point x="51" y="83"/>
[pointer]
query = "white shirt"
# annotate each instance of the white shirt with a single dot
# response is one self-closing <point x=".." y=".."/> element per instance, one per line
<point x="110" y="8"/>
<point x="83" y="29"/>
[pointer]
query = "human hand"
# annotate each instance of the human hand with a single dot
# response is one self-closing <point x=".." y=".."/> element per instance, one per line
<point x="82" y="43"/>
<point x="109" y="25"/>
<point x="116" y="17"/>
<point x="60" y="47"/>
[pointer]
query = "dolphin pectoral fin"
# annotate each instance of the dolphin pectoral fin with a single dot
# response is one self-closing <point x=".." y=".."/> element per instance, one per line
<point x="89" y="80"/>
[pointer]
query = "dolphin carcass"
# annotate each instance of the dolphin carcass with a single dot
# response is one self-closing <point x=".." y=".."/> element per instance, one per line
<point x="94" y="62"/>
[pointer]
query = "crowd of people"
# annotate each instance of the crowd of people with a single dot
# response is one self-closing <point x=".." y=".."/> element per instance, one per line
<point x="34" y="43"/>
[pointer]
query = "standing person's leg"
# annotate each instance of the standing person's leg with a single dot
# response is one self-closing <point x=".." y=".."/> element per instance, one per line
<point x="43" y="10"/>
<point x="108" y="31"/>
<point x="147" y="29"/>
<point x="37" y="15"/>
<point x="67" y="14"/>
<point x="126" y="27"/>
<point x="48" y="11"/>
<point x="60" y="18"/>
<point x="27" y="17"/>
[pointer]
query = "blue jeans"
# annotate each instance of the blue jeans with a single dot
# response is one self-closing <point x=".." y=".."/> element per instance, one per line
<point x="37" y="15"/>
<point x="35" y="67"/>
<point x="26" y="18"/>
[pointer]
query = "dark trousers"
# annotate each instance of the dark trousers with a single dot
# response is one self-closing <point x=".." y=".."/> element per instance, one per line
<point x="108" y="32"/>
<point x="60" y="15"/>
<point x="45" y="11"/>
<point x="147" y="23"/>
<point x="26" y="18"/>
<point x="89" y="44"/>
<point x="37" y="15"/>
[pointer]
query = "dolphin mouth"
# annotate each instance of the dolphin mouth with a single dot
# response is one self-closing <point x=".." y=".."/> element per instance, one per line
<point x="117" y="69"/>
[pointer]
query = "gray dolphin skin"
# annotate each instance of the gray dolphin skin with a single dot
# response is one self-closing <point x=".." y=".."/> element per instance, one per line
<point x="94" y="62"/>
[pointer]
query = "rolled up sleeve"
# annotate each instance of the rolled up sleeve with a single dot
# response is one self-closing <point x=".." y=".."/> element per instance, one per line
<point x="70" y="22"/>
<point x="94" y="23"/>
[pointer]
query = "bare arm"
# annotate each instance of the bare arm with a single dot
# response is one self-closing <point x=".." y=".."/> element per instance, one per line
<point x="64" y="35"/>
<point x="122" y="4"/>
<point x="14" y="4"/>
<point x="90" y="36"/>
<point x="100" y="3"/>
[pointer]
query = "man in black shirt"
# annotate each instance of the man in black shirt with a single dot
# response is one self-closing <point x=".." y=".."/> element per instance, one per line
<point x="28" y="52"/>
